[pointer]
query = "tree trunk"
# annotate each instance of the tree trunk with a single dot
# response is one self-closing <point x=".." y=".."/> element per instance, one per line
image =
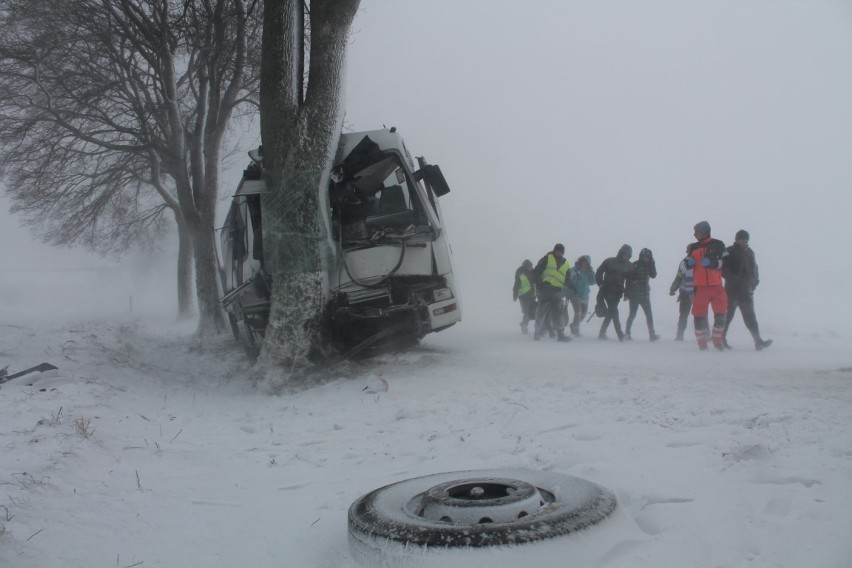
<point x="292" y="253"/>
<point x="211" y="318"/>
<point x="186" y="307"/>
<point x="280" y="93"/>
<point x="299" y="140"/>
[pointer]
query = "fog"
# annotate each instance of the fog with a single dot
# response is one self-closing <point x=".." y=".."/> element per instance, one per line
<point x="592" y="124"/>
<point x="601" y="123"/>
<point x="45" y="284"/>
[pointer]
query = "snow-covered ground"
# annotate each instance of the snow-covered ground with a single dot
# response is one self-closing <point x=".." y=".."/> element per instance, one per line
<point x="145" y="449"/>
<point x="594" y="124"/>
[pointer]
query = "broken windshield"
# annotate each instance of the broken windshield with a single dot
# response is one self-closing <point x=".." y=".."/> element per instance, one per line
<point x="377" y="203"/>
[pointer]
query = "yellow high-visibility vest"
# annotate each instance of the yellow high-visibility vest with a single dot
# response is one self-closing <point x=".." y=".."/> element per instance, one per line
<point x="525" y="286"/>
<point x="553" y="275"/>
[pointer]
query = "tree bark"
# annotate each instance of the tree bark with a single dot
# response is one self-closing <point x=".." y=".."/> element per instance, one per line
<point x="211" y="318"/>
<point x="184" y="270"/>
<point x="299" y="140"/>
<point x="280" y="97"/>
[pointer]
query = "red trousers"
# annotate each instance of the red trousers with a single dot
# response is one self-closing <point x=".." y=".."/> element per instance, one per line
<point x="709" y="296"/>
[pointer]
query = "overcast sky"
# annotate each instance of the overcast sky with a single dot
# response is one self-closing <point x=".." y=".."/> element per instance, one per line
<point x="598" y="123"/>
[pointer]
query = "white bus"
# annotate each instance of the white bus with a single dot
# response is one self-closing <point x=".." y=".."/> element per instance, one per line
<point x="391" y="280"/>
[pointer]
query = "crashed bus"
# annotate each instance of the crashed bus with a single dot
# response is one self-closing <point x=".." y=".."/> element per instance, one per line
<point x="391" y="278"/>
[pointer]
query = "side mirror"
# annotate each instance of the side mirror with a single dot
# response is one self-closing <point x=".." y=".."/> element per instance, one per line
<point x="256" y="154"/>
<point x="433" y="176"/>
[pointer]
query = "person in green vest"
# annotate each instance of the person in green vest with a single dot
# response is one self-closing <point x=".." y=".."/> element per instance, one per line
<point x="550" y="275"/>
<point x="524" y="292"/>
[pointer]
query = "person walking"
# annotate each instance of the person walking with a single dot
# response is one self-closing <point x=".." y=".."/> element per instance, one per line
<point x="582" y="277"/>
<point x="610" y="277"/>
<point x="705" y="257"/>
<point x="637" y="292"/>
<point x="741" y="278"/>
<point x="683" y="285"/>
<point x="568" y="293"/>
<point x="550" y="273"/>
<point x="523" y="291"/>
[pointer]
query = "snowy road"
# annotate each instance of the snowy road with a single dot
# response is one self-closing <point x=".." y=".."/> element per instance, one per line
<point x="142" y="450"/>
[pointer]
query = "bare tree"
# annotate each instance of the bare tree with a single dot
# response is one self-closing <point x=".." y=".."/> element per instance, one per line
<point x="301" y="120"/>
<point x="113" y="112"/>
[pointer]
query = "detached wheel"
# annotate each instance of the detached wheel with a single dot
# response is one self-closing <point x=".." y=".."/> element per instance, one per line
<point x="474" y="509"/>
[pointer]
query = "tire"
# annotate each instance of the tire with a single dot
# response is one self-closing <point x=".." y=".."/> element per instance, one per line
<point x="513" y="507"/>
<point x="235" y="329"/>
<point x="244" y="333"/>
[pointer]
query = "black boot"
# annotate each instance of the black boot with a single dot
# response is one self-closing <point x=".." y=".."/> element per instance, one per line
<point x="762" y="344"/>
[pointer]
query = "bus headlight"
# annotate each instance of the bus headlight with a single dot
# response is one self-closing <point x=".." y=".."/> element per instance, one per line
<point x="442" y="294"/>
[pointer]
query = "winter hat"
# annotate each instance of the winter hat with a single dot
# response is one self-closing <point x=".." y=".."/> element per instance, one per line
<point x="741" y="234"/>
<point x="527" y="263"/>
<point x="559" y="247"/>
<point x="703" y="227"/>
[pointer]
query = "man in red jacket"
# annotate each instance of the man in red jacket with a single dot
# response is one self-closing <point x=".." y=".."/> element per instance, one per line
<point x="705" y="257"/>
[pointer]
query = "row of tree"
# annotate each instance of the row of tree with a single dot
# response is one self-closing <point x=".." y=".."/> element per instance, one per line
<point x="114" y="116"/>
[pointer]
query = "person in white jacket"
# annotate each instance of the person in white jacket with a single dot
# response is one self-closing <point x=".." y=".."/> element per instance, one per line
<point x="683" y="286"/>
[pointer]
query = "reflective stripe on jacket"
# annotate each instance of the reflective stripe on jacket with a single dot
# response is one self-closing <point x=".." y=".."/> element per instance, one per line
<point x="687" y="285"/>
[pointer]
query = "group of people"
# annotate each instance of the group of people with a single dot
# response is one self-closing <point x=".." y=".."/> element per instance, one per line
<point x="710" y="277"/>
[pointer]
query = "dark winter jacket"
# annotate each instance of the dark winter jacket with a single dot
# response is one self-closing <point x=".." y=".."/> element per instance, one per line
<point x="714" y="251"/>
<point x="740" y="271"/>
<point x="613" y="271"/>
<point x="638" y="286"/>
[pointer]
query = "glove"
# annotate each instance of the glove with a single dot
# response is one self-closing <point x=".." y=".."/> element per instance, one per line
<point x="514" y="297"/>
<point x="690" y="262"/>
<point x="705" y="262"/>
